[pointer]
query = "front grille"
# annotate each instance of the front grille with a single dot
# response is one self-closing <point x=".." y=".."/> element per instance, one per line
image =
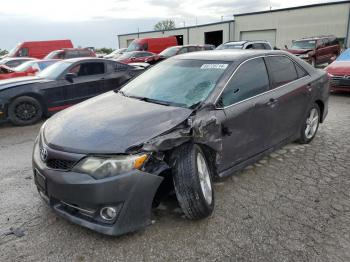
<point x="60" y="164"/>
<point x="339" y="81"/>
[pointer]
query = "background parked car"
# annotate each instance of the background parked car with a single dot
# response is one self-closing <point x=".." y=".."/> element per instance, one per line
<point x="116" y="53"/>
<point x="25" y="100"/>
<point x="181" y="49"/>
<point x="29" y="68"/>
<point x="316" y="50"/>
<point x="339" y="73"/>
<point x="245" y="45"/>
<point x="154" y="45"/>
<point x="15" y="61"/>
<point x="67" y="53"/>
<point x="137" y="57"/>
<point x="38" y="49"/>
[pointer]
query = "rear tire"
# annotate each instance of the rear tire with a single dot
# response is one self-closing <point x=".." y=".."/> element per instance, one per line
<point x="192" y="181"/>
<point x="25" y="110"/>
<point x="310" y="125"/>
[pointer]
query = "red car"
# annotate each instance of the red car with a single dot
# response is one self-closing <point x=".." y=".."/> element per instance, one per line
<point x="339" y="73"/>
<point x="29" y="68"/>
<point x="137" y="57"/>
<point x="316" y="50"/>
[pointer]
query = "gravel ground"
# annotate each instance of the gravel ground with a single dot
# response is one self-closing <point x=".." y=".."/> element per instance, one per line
<point x="293" y="205"/>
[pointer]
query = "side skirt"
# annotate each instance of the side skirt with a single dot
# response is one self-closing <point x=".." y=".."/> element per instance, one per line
<point x="233" y="170"/>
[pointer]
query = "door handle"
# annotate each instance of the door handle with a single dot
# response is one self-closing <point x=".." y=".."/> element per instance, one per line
<point x="272" y="102"/>
<point x="309" y="87"/>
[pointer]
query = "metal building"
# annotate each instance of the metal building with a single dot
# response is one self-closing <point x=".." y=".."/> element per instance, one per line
<point x="280" y="26"/>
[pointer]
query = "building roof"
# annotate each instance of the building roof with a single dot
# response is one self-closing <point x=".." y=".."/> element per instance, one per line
<point x="179" y="28"/>
<point x="293" y="8"/>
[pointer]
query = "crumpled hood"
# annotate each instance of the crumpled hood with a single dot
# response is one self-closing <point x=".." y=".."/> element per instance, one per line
<point x="339" y="68"/>
<point x="13" y="82"/>
<point x="298" y="51"/>
<point x="110" y="123"/>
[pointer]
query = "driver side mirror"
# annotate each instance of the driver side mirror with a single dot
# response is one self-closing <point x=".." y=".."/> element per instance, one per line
<point x="285" y="46"/>
<point x="70" y="77"/>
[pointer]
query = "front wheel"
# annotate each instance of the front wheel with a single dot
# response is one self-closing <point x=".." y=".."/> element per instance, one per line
<point x="25" y="110"/>
<point x="193" y="182"/>
<point x="310" y="125"/>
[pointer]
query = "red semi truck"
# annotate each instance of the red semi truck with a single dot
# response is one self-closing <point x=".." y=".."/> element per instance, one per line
<point x="39" y="49"/>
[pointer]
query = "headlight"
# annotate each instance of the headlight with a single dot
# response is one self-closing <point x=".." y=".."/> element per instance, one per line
<point x="102" y="167"/>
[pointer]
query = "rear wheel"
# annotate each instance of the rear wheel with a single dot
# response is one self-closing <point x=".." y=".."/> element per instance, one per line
<point x="193" y="182"/>
<point x="25" y="110"/>
<point x="310" y="126"/>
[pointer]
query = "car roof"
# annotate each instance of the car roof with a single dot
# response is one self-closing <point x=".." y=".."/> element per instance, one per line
<point x="87" y="59"/>
<point x="229" y="54"/>
<point x="316" y="37"/>
<point x="246" y="41"/>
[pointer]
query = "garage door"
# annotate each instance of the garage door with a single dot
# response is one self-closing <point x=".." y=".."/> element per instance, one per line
<point x="268" y="35"/>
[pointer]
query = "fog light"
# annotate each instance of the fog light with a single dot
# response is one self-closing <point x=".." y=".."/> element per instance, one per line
<point x="108" y="213"/>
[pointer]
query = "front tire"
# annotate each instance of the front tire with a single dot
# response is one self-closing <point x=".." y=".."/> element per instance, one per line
<point x="25" y="110"/>
<point x="193" y="181"/>
<point x="310" y="125"/>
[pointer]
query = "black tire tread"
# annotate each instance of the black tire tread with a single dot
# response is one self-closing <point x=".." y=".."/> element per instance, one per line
<point x="187" y="185"/>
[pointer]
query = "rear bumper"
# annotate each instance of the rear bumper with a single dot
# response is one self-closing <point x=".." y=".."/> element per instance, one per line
<point x="79" y="197"/>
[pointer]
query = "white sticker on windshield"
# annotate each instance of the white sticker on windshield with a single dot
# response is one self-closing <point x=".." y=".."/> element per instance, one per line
<point x="214" y="66"/>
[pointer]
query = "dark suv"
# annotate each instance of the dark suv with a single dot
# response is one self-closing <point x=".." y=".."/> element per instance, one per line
<point x="68" y="53"/>
<point x="316" y="50"/>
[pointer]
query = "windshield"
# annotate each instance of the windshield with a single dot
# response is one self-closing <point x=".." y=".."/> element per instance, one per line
<point x="134" y="46"/>
<point x="171" y="51"/>
<point x="54" y="71"/>
<point x="24" y="67"/>
<point x="177" y="82"/>
<point x="53" y="54"/>
<point x="305" y="44"/>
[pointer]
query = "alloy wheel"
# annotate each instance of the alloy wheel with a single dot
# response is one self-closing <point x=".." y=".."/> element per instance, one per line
<point x="312" y="122"/>
<point x="204" y="179"/>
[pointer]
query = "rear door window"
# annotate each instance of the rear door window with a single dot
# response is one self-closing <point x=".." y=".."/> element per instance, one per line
<point x="258" y="46"/>
<point x="88" y="69"/>
<point x="300" y="71"/>
<point x="183" y="50"/>
<point x="282" y="70"/>
<point x="249" y="80"/>
<point x="192" y="49"/>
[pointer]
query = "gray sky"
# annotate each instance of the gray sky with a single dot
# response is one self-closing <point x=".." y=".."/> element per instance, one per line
<point x="97" y="23"/>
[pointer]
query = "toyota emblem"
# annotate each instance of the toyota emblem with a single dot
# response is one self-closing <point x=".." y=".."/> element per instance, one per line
<point x="43" y="154"/>
<point x="346" y="77"/>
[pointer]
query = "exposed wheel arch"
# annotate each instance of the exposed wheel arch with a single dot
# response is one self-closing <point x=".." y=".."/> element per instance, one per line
<point x="321" y="106"/>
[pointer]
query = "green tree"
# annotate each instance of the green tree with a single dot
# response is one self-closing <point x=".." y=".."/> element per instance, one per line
<point x="165" y="25"/>
<point x="3" y="52"/>
<point x="104" y="50"/>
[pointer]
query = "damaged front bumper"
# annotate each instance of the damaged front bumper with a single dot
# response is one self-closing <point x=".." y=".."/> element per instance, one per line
<point x="80" y="198"/>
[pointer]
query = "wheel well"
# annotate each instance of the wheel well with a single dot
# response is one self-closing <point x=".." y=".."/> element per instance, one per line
<point x="37" y="97"/>
<point x="321" y="106"/>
